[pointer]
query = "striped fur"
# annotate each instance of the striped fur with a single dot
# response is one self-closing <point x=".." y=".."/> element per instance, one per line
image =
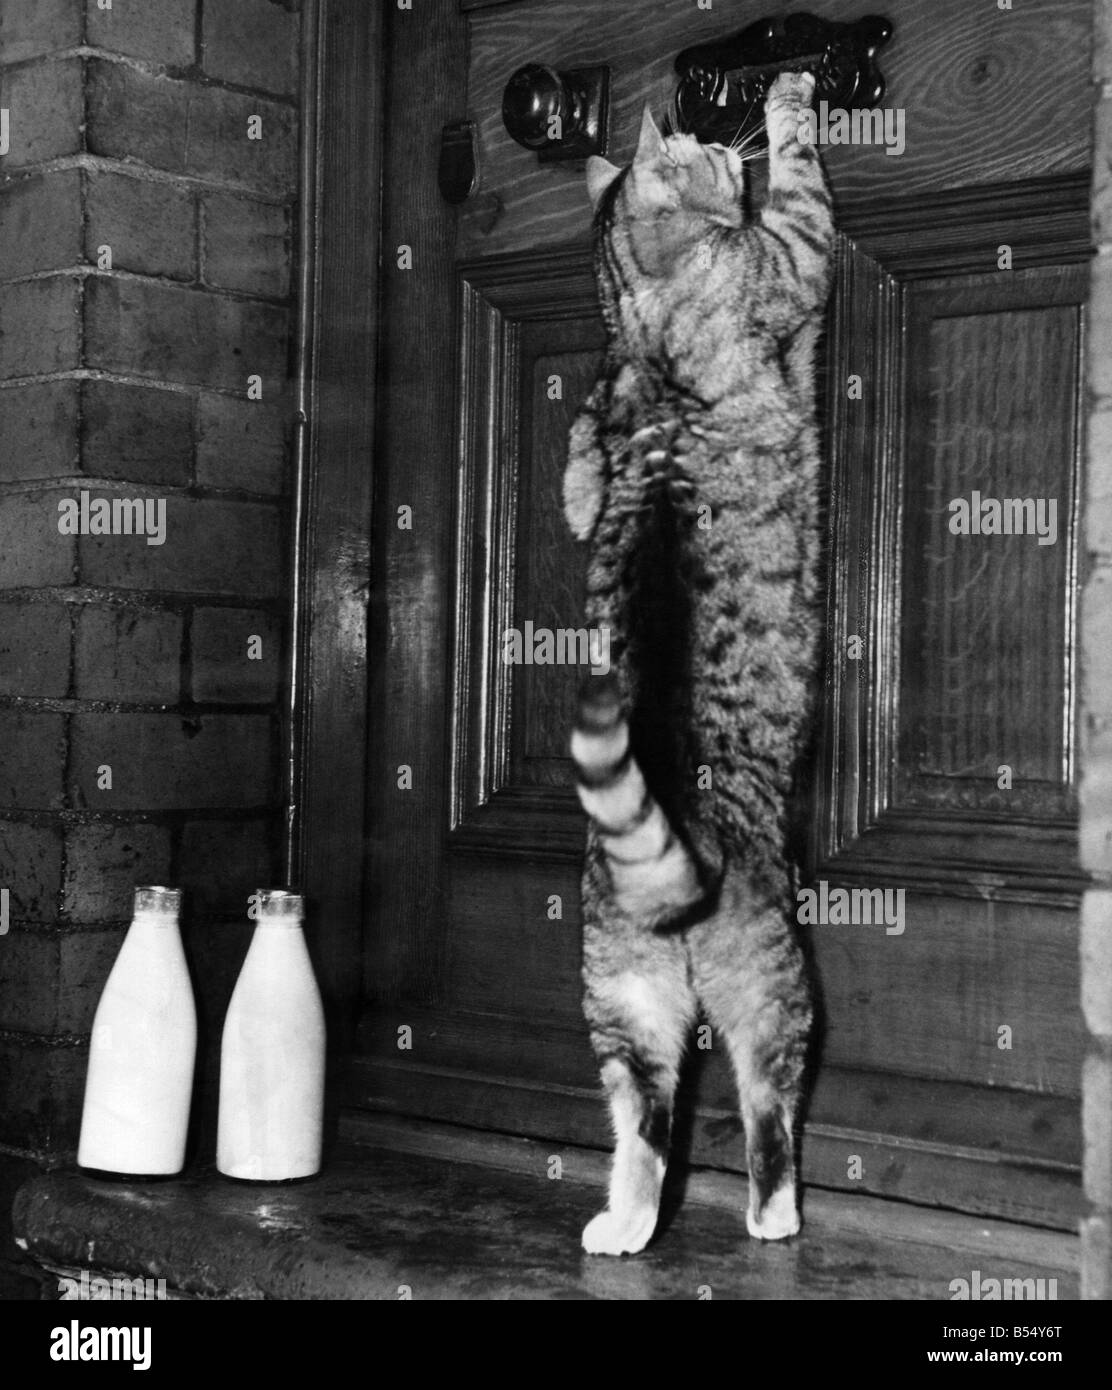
<point x="652" y="874"/>
<point x="693" y="479"/>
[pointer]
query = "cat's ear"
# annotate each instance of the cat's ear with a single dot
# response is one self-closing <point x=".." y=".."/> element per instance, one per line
<point x="600" y="175"/>
<point x="650" y="143"/>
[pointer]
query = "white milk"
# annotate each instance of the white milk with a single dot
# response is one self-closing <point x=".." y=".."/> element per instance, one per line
<point x="140" y="1077"/>
<point x="272" y="1057"/>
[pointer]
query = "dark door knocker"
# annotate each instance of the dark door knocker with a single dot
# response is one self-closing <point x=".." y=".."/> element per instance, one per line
<point x="723" y="85"/>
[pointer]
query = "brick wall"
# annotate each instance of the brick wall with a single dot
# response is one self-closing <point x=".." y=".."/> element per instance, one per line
<point x="128" y="377"/>
<point x="1096" y="701"/>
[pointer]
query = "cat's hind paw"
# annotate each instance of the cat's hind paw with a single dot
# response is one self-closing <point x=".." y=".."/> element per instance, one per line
<point x="778" y="1220"/>
<point x="611" y="1234"/>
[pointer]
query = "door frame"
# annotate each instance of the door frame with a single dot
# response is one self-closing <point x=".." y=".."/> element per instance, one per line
<point x="335" y="410"/>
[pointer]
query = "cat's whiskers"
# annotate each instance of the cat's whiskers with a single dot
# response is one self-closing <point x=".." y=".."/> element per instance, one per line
<point x="747" y="146"/>
<point x="672" y="119"/>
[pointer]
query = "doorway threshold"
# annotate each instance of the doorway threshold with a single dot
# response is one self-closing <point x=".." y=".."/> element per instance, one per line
<point x="417" y="1209"/>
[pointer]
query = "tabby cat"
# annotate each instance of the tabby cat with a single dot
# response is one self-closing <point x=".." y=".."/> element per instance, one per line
<point x="692" y="476"/>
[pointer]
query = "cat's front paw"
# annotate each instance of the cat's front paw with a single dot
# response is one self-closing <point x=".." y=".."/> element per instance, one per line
<point x="611" y="1234"/>
<point x="791" y="89"/>
<point x="778" y="1220"/>
<point x="584" y="478"/>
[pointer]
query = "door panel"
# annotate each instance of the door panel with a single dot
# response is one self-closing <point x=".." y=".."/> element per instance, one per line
<point x="527" y="320"/>
<point x="951" y="1052"/>
<point x="996" y="390"/>
<point x="970" y="381"/>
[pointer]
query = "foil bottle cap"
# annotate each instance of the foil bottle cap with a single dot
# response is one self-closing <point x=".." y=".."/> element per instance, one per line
<point x="155" y="898"/>
<point x="279" y="902"/>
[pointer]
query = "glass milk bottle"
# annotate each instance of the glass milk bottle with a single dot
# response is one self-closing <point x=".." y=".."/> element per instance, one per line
<point x="272" y="1055"/>
<point x="140" y="1078"/>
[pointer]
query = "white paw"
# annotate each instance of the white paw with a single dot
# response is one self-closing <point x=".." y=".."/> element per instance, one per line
<point x="610" y="1234"/>
<point x="779" y="1219"/>
<point x="584" y="482"/>
<point x="792" y="88"/>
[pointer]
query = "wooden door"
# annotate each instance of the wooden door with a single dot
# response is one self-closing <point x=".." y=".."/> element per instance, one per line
<point x="951" y="1052"/>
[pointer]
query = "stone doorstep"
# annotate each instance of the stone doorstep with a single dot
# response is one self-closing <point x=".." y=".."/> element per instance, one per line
<point x="77" y="1273"/>
<point x="424" y="1210"/>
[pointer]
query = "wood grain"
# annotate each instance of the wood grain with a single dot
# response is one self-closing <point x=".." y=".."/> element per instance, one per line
<point x="989" y="96"/>
<point x="342" y="406"/>
<point x="523" y="318"/>
<point x="551" y="568"/>
<point x="928" y="1003"/>
<point x="411" y="576"/>
<point x="928" y="1173"/>
<point x="891" y="1224"/>
<point x="987" y="658"/>
<point x="883" y="809"/>
<point x="1030" y="1124"/>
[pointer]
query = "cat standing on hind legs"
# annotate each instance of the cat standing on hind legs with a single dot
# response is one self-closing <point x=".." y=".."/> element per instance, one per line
<point x="692" y="476"/>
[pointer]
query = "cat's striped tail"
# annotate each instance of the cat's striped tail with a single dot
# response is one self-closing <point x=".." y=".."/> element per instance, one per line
<point x="652" y="873"/>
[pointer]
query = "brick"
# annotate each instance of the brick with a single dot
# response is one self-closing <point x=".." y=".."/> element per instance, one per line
<point x="246" y="245"/>
<point x="221" y="863"/>
<point x="87" y="957"/>
<point x="1097" y="510"/>
<point x="24" y="1093"/>
<point x="184" y="128"/>
<point x="34" y="747"/>
<point x="253" y="43"/>
<point x="241" y="443"/>
<point x="128" y="654"/>
<point x="41" y="1090"/>
<point x="39" y="326"/>
<point x="40" y="223"/>
<point x="1098" y="369"/>
<point x="1102" y="44"/>
<point x="1096" y="1125"/>
<point x="32" y="552"/>
<point x="156" y="31"/>
<point x="34" y="649"/>
<point x="38" y="430"/>
<point x="1096" y="1257"/>
<point x="1095" y="796"/>
<point x="29" y="999"/>
<point x="1101" y="196"/>
<point x="222" y="668"/>
<point x="1096" y="960"/>
<point x="1096" y="637"/>
<point x="211" y="547"/>
<point x="104" y="862"/>
<point x="31" y="868"/>
<point x="46" y="105"/>
<point x="1098" y="480"/>
<point x="1095" y="791"/>
<point x="196" y="337"/>
<point x="167" y="762"/>
<point x="150" y="227"/>
<point x="139" y="433"/>
<point x="28" y="31"/>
